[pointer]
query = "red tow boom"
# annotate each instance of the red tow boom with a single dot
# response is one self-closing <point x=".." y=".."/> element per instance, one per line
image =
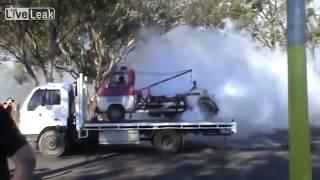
<point x="164" y="80"/>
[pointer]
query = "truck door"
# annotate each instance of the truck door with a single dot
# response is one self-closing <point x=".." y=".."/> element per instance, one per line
<point x="31" y="114"/>
<point x="55" y="112"/>
<point x="43" y="110"/>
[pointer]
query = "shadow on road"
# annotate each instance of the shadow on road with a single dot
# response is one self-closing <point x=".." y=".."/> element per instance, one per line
<point x="67" y="169"/>
<point x="258" y="157"/>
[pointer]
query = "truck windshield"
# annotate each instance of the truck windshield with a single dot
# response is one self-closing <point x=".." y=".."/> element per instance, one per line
<point x="53" y="97"/>
<point x="35" y="100"/>
<point x="119" y="79"/>
<point x="50" y="97"/>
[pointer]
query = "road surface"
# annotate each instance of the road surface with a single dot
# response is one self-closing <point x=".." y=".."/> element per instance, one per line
<point x="218" y="160"/>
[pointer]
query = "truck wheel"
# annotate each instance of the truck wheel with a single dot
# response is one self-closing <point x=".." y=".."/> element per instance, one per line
<point x="52" y="144"/>
<point x="115" y="113"/>
<point x="167" y="141"/>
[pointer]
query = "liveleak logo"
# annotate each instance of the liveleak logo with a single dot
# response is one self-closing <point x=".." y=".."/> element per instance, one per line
<point x="35" y="13"/>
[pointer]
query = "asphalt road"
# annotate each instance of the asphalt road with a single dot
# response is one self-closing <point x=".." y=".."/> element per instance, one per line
<point x="201" y="159"/>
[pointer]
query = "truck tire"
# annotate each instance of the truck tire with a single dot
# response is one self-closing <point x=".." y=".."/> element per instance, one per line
<point x="115" y="113"/>
<point x="167" y="141"/>
<point x="52" y="144"/>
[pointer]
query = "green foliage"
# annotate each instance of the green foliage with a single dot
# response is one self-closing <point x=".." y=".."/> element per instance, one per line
<point x="211" y="13"/>
<point x="264" y="20"/>
<point x="93" y="36"/>
<point x="106" y="32"/>
<point x="86" y="36"/>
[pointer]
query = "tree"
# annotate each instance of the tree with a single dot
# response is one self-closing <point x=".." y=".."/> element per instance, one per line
<point x="212" y="13"/>
<point x="46" y="37"/>
<point x="14" y="44"/>
<point x="35" y="43"/>
<point x="108" y="33"/>
<point x="313" y="30"/>
<point x="266" y="22"/>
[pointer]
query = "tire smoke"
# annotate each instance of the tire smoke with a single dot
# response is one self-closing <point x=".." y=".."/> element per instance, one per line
<point x="249" y="83"/>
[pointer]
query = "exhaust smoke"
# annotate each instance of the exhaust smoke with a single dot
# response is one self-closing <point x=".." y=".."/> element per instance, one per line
<point x="248" y="83"/>
<point x="11" y="88"/>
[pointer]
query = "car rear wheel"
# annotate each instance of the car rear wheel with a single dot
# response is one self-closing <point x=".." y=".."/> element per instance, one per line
<point x="116" y="113"/>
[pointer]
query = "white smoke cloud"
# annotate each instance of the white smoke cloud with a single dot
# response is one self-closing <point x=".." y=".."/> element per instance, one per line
<point x="250" y="84"/>
<point x="11" y="88"/>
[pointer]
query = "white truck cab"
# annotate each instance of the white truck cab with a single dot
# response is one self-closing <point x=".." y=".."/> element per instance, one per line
<point x="46" y="106"/>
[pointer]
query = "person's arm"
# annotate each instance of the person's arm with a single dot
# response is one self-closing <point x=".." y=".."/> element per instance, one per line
<point x="15" y="146"/>
<point x="25" y="162"/>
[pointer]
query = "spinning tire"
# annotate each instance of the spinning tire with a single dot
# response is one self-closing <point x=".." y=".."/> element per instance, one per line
<point x="52" y="144"/>
<point x="116" y="113"/>
<point x="168" y="141"/>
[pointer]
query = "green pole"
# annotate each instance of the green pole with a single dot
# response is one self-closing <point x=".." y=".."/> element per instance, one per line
<point x="299" y="130"/>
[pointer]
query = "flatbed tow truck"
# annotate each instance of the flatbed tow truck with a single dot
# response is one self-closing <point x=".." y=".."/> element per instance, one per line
<point x="55" y="118"/>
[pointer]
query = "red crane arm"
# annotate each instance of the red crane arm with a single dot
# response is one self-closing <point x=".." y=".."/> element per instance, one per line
<point x="165" y="80"/>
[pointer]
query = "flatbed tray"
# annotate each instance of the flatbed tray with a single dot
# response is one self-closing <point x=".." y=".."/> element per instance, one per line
<point x="153" y="125"/>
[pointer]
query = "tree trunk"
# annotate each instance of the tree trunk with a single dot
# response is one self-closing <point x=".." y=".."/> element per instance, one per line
<point x="313" y="53"/>
<point x="51" y="51"/>
<point x="24" y="60"/>
<point x="31" y="73"/>
<point x="99" y="49"/>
